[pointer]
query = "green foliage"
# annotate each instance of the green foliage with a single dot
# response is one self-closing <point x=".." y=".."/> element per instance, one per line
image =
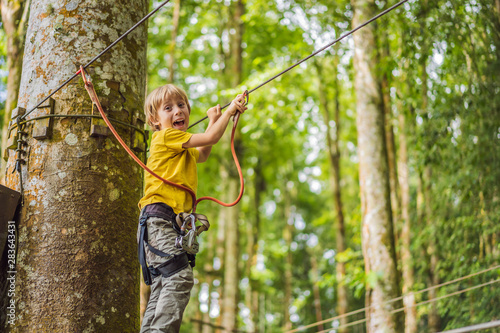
<point x="453" y="122"/>
<point x="442" y="61"/>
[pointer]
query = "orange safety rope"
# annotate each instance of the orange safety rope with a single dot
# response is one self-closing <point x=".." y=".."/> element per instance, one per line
<point x="93" y="96"/>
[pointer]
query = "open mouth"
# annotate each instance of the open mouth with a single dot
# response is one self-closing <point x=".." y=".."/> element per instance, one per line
<point x="178" y="123"/>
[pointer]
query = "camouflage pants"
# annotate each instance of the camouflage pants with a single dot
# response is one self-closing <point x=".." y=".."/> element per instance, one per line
<point x="169" y="296"/>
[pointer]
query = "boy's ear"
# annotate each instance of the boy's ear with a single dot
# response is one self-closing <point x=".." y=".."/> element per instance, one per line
<point x="156" y="123"/>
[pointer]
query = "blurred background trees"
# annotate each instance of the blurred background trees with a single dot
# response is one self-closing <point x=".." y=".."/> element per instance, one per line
<point x="290" y="253"/>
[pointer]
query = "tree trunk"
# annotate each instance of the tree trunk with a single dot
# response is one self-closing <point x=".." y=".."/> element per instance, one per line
<point x="406" y="257"/>
<point x="434" y="318"/>
<point x="231" y="272"/>
<point x="377" y="229"/>
<point x="14" y="20"/>
<point x="236" y="43"/>
<point x="173" y="41"/>
<point x="391" y="145"/>
<point x="206" y="315"/>
<point x="332" y="137"/>
<point x="316" y="291"/>
<point x="208" y="277"/>
<point x="288" y="274"/>
<point x="497" y="10"/>
<point x="253" y="229"/>
<point x="77" y="261"/>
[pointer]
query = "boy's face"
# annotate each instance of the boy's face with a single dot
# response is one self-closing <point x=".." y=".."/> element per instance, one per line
<point x="174" y="113"/>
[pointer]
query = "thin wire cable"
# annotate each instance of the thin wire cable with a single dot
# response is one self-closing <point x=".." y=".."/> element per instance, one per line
<point x="418" y="304"/>
<point x="298" y="329"/>
<point x="97" y="57"/>
<point x="140" y="130"/>
<point x="450" y="294"/>
<point x="473" y="328"/>
<point x="316" y="52"/>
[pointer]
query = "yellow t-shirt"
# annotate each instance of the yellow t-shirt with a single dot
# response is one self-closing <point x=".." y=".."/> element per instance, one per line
<point x="172" y="162"/>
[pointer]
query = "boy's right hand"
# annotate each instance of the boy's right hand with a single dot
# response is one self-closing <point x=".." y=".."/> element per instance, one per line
<point x="214" y="113"/>
<point x="237" y="105"/>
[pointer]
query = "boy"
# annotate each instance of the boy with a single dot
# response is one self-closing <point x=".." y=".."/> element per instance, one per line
<point x="173" y="155"/>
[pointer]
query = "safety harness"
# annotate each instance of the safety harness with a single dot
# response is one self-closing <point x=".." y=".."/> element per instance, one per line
<point x="185" y="226"/>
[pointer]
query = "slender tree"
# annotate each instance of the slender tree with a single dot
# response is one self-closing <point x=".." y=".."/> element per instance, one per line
<point x="253" y="229"/>
<point x="209" y="275"/>
<point x="77" y="261"/>
<point x="432" y="253"/>
<point x="231" y="267"/>
<point x="389" y="134"/>
<point x="332" y="137"/>
<point x="173" y="41"/>
<point x="405" y="239"/>
<point x="377" y="229"/>
<point x="433" y="277"/>
<point x="406" y="256"/>
<point x="316" y="291"/>
<point x="288" y="229"/>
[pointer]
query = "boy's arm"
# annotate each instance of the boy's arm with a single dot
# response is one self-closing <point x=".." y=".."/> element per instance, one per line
<point x="204" y="152"/>
<point x="214" y="132"/>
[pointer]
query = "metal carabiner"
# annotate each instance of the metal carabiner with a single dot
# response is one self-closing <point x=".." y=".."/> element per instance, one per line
<point x="193" y="223"/>
<point x="246" y="94"/>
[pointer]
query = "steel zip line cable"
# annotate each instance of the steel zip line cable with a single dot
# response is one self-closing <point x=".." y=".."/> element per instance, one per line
<point x="316" y="52"/>
<point x="301" y="328"/>
<point x="357" y="322"/>
<point x="96" y="57"/>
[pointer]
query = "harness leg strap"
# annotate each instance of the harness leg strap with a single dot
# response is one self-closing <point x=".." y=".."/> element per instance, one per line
<point x="142" y="252"/>
<point x="174" y="265"/>
<point x="168" y="268"/>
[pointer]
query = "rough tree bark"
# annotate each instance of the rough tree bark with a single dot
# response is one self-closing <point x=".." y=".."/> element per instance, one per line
<point x="377" y="229"/>
<point x="15" y="21"/>
<point x="77" y="258"/>
<point x="332" y="137"/>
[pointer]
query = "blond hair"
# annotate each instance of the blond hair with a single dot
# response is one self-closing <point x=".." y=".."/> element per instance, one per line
<point x="157" y="98"/>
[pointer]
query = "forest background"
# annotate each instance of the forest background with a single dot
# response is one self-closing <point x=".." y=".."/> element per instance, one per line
<point x="291" y="252"/>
